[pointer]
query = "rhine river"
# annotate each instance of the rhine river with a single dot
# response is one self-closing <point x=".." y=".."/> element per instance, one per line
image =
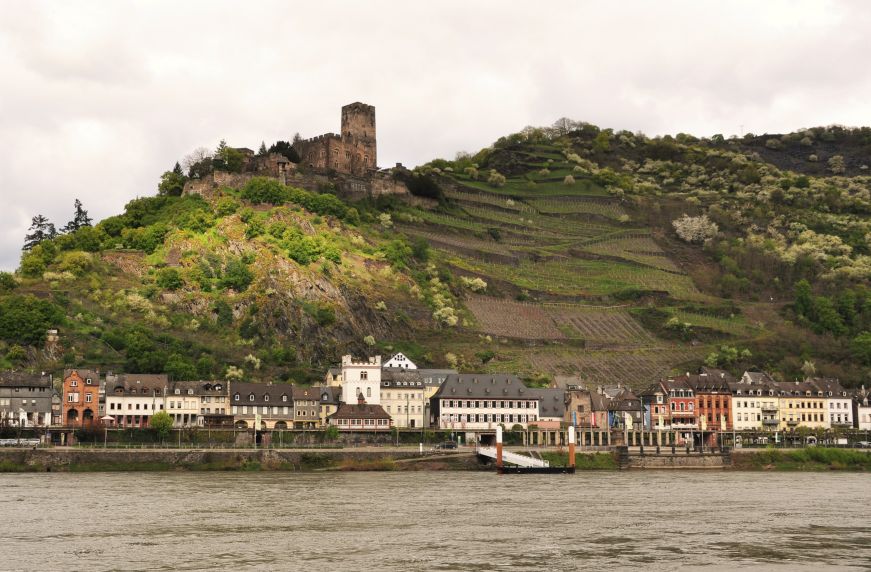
<point x="435" y="521"/>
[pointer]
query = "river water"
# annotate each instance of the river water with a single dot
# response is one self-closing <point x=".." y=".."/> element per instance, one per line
<point x="435" y="521"/>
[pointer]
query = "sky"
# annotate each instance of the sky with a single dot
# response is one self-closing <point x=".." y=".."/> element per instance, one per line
<point x="97" y="99"/>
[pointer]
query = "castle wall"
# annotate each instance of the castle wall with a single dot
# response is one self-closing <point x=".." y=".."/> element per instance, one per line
<point x="354" y="151"/>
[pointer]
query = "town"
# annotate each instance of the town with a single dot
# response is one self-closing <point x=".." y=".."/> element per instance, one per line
<point x="372" y="401"/>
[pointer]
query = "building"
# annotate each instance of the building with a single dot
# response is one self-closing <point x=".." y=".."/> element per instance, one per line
<point x="406" y="393"/>
<point x="360" y="416"/>
<point x="306" y="407"/>
<point x="272" y="404"/>
<point x="198" y="403"/>
<point x="354" y="151"/>
<point x="333" y="378"/>
<point x="131" y="399"/>
<point x="714" y="399"/>
<point x="801" y="403"/>
<point x="840" y="404"/>
<point x="399" y="361"/>
<point x="25" y="399"/>
<point x="755" y="402"/>
<point x="81" y="398"/>
<point x="361" y="377"/>
<point x="624" y="410"/>
<point x="862" y="409"/>
<point x="477" y="403"/>
<point x="657" y="412"/>
<point x="681" y="404"/>
<point x="329" y="402"/>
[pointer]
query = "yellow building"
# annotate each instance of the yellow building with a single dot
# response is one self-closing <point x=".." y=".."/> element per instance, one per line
<point x="802" y="404"/>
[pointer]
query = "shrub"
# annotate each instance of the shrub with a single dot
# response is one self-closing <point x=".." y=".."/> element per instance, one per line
<point x="774" y="144"/>
<point x="473" y="284"/>
<point x="837" y="165"/>
<point x="25" y="319"/>
<point x="236" y="275"/>
<point x="226" y="206"/>
<point x="369" y="340"/>
<point x="695" y="229"/>
<point x="569" y="180"/>
<point x="169" y="279"/>
<point x="496" y="179"/>
<point x="7" y="282"/>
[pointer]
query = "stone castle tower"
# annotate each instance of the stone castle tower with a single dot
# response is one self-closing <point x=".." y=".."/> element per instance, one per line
<point x="353" y="152"/>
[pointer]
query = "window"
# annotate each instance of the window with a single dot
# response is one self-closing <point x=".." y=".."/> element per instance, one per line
<point x="236" y="397"/>
<point x="89" y="397"/>
<point x="368" y="392"/>
<point x="73" y="383"/>
<point x="88" y="381"/>
<point x="251" y="397"/>
<point x="364" y="375"/>
<point x="284" y="398"/>
<point x="266" y="397"/>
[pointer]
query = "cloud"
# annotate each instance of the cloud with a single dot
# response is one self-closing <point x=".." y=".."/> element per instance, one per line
<point x="99" y="98"/>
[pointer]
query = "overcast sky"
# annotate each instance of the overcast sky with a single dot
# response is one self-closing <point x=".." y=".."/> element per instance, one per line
<point x="98" y="99"/>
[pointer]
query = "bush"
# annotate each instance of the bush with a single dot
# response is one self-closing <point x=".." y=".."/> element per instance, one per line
<point x="7" y="282"/>
<point x="496" y="179"/>
<point x="569" y="180"/>
<point x="695" y="229"/>
<point x="169" y="279"/>
<point x="236" y="275"/>
<point x="25" y="319"/>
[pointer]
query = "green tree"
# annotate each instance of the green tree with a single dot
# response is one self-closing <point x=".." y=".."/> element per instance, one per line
<point x="180" y="367"/>
<point x="804" y="300"/>
<point x="80" y="218"/>
<point x="7" y="282"/>
<point x="161" y="422"/>
<point x="861" y="347"/>
<point x="826" y="317"/>
<point x="40" y="230"/>
<point x="236" y="275"/>
<point x="171" y="183"/>
<point x="25" y="319"/>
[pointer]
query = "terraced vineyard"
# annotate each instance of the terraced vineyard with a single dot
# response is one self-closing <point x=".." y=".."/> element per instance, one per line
<point x="601" y="327"/>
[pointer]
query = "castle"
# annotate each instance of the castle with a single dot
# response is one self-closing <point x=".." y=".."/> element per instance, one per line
<point x="353" y="152"/>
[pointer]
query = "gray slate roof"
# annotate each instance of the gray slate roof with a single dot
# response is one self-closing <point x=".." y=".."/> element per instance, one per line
<point x="10" y="378"/>
<point x="483" y="386"/>
<point x="553" y="401"/>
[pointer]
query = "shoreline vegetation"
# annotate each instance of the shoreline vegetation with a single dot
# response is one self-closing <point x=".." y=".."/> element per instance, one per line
<point x="26" y="461"/>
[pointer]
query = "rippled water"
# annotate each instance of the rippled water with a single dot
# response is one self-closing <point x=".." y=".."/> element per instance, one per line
<point x="434" y="521"/>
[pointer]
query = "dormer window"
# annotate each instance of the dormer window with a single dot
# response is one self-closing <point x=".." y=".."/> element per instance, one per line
<point x="284" y="398"/>
<point x="177" y="391"/>
<point x="266" y="397"/>
<point x="251" y="397"/>
<point x="218" y="387"/>
<point x="236" y="397"/>
<point x="88" y="381"/>
<point x="190" y="391"/>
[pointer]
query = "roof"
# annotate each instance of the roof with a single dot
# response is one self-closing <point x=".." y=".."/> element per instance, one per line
<point x="360" y="411"/>
<point x="200" y="387"/>
<point x="484" y="386"/>
<point x="829" y="385"/>
<point x="305" y="393"/>
<point x="329" y="394"/>
<point x="83" y="373"/>
<point x="264" y="393"/>
<point x="553" y="402"/>
<point x="133" y="383"/>
<point x="10" y="378"/>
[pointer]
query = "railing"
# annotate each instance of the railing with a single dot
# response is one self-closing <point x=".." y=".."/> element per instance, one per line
<point x="513" y="458"/>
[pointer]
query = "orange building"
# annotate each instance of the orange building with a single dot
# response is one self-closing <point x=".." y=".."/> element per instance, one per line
<point x="81" y="398"/>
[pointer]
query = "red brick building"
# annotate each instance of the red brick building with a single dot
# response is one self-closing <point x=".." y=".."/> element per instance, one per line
<point x="81" y="398"/>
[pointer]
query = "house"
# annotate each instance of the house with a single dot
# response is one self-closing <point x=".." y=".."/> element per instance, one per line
<point x="131" y="399"/>
<point x="477" y="403"/>
<point x="657" y="412"/>
<point x="681" y="403"/>
<point x="328" y="402"/>
<point x="624" y="409"/>
<point x="840" y="404"/>
<point x="81" y="398"/>
<point x="406" y="394"/>
<point x="361" y="377"/>
<point x="801" y="403"/>
<point x="198" y="403"/>
<point x="862" y="409"/>
<point x="271" y="404"/>
<point x="755" y="402"/>
<point x="333" y="378"/>
<point x="399" y="361"/>
<point x="306" y="407"/>
<point x="551" y="416"/>
<point x="25" y="399"/>
<point x="714" y="398"/>
<point x="361" y="416"/>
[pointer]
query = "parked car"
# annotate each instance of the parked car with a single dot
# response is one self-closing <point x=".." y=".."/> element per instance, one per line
<point x="864" y="444"/>
<point x="446" y="445"/>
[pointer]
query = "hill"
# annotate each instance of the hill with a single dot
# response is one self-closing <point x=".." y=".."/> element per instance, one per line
<point x="557" y="251"/>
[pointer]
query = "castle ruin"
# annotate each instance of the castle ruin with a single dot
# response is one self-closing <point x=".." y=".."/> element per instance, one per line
<point x="352" y="152"/>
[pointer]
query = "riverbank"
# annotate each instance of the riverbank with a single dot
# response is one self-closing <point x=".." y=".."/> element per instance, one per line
<point x="397" y="459"/>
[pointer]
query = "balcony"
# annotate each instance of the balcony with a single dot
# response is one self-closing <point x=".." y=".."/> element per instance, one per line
<point x="769" y="409"/>
<point x="771" y="422"/>
<point x="678" y="425"/>
<point x="793" y="422"/>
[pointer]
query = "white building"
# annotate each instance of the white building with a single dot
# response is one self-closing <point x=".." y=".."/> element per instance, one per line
<point x="361" y="378"/>
<point x="838" y="403"/>
<point x="400" y="361"/>
<point x="133" y="398"/>
<point x="477" y="403"/>
<point x="862" y="409"/>
<point x="755" y="402"/>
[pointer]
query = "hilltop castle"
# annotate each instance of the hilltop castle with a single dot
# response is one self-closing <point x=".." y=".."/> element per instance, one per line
<point x="353" y="152"/>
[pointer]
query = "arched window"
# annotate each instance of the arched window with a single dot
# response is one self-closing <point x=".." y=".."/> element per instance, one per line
<point x="266" y="397"/>
<point x="251" y="397"/>
<point x="368" y="392"/>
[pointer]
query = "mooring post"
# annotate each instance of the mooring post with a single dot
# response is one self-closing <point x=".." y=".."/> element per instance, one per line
<point x="499" y="446"/>
<point x="571" y="445"/>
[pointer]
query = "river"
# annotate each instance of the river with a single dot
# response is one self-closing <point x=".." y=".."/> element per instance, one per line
<point x="435" y="521"/>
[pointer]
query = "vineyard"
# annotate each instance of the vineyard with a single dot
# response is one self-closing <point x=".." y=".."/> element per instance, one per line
<point x="511" y="319"/>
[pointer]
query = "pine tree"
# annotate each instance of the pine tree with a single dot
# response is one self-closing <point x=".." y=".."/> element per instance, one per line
<point x="262" y="150"/>
<point x="80" y="218"/>
<point x="40" y="229"/>
<point x="177" y="169"/>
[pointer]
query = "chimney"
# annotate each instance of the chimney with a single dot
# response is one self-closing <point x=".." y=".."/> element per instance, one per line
<point x="360" y="399"/>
